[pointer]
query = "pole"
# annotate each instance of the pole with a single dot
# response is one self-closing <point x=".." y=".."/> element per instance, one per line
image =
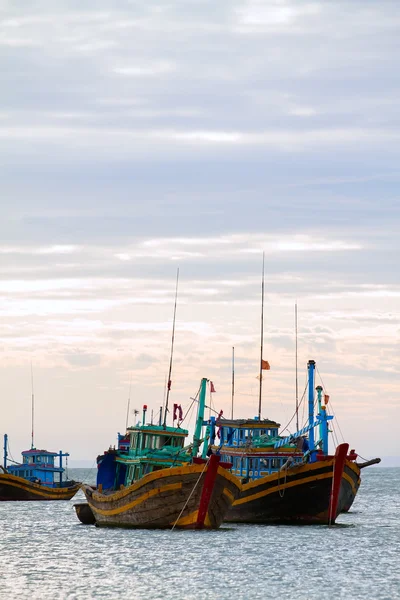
<point x="262" y="338"/>
<point x="233" y="379"/>
<point x="5" y="451"/>
<point x="129" y="403"/>
<point x="311" y="434"/>
<point x="200" y="417"/>
<point x="297" y="377"/>
<point x="172" y="351"/>
<point x="33" y="409"/>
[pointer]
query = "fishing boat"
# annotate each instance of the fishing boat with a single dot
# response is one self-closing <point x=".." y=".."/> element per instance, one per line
<point x="36" y="478"/>
<point x="158" y="482"/>
<point x="289" y="479"/>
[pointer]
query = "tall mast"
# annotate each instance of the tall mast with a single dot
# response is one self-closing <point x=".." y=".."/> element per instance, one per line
<point x="172" y="352"/>
<point x="233" y="379"/>
<point x="297" y="378"/>
<point x="129" y="403"/>
<point x="262" y="338"/>
<point x="33" y="409"/>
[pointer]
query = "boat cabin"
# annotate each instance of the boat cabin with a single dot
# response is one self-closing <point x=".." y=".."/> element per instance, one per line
<point x="38" y="467"/>
<point x="151" y="448"/>
<point x="249" y="445"/>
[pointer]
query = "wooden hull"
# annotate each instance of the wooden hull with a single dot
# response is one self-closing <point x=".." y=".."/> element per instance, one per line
<point x="84" y="513"/>
<point x="307" y="494"/>
<point x="351" y="481"/>
<point x="14" y="488"/>
<point x="195" y="496"/>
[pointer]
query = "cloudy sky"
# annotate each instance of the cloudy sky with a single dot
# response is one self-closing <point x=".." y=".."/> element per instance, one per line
<point x="136" y="138"/>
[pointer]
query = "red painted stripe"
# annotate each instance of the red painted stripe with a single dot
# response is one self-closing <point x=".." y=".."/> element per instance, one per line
<point x="338" y="468"/>
<point x="208" y="487"/>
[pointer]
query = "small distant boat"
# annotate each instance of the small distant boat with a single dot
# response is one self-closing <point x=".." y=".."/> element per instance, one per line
<point x="156" y="482"/>
<point x="35" y="477"/>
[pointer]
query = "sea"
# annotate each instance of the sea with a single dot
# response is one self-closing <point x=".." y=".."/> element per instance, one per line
<point x="46" y="553"/>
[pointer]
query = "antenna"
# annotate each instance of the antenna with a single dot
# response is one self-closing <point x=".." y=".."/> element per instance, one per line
<point x="129" y="402"/>
<point x="262" y="338"/>
<point x="33" y="409"/>
<point x="172" y="351"/>
<point x="297" y="378"/>
<point x="233" y="379"/>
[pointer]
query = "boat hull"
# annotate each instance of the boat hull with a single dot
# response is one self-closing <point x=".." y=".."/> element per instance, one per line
<point x="195" y="496"/>
<point x="306" y="494"/>
<point x="350" y="484"/>
<point x="84" y="513"/>
<point x="13" y="488"/>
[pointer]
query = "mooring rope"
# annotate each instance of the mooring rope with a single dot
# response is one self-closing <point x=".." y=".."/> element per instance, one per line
<point x="190" y="495"/>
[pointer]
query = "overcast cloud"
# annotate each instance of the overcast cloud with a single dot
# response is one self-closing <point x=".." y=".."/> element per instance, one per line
<point x="136" y="138"/>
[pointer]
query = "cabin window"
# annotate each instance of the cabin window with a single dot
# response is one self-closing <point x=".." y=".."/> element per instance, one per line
<point x="133" y="443"/>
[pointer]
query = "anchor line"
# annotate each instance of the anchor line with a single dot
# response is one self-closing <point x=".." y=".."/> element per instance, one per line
<point x="190" y="495"/>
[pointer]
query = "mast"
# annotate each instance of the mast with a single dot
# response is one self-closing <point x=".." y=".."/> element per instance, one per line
<point x="33" y="409"/>
<point x="262" y="338"/>
<point x="129" y="403"/>
<point x="200" y="417"/>
<point x="233" y="379"/>
<point x="172" y="352"/>
<point x="297" y="378"/>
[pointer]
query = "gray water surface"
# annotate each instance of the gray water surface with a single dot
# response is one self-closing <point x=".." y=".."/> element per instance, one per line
<point x="45" y="553"/>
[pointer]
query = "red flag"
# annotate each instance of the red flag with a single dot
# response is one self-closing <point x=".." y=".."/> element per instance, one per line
<point x="326" y="398"/>
<point x="180" y="412"/>
<point x="212" y="388"/>
<point x="169" y="384"/>
<point x="265" y="365"/>
<point x="174" y="415"/>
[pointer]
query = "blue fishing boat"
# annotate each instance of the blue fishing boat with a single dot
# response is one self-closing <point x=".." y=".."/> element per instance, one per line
<point x="36" y="478"/>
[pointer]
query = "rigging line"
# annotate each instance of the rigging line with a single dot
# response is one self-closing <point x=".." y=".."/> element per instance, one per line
<point x="191" y="494"/>
<point x="172" y="351"/>
<point x="193" y="401"/>
<point x="33" y="409"/>
<point x="297" y="378"/>
<point x="262" y="338"/>
<point x="294" y="414"/>
<point x="129" y="402"/>
<point x="333" y="412"/>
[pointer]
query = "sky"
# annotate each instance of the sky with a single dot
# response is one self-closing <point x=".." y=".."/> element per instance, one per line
<point x="138" y="138"/>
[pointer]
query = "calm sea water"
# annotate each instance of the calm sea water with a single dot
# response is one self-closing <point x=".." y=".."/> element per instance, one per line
<point x="45" y="553"/>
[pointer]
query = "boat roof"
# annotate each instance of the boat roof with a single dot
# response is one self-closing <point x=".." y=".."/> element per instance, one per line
<point x="36" y="452"/>
<point x="248" y="423"/>
<point x="160" y="430"/>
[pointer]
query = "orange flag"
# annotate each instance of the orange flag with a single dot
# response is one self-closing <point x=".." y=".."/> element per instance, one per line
<point x="265" y="365"/>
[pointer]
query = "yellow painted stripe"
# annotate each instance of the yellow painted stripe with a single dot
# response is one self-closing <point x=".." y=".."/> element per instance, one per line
<point x="282" y="486"/>
<point x="229" y="477"/>
<point x="126" y="507"/>
<point x="44" y="491"/>
<point x="351" y="482"/>
<point x="228" y="494"/>
<point x="353" y="467"/>
<point x="280" y="475"/>
<point x="188" y="520"/>
<point x="161" y="474"/>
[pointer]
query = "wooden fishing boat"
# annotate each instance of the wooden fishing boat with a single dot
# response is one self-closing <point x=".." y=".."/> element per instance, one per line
<point x="193" y="496"/>
<point x="35" y="477"/>
<point x="292" y="479"/>
<point x="159" y="483"/>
